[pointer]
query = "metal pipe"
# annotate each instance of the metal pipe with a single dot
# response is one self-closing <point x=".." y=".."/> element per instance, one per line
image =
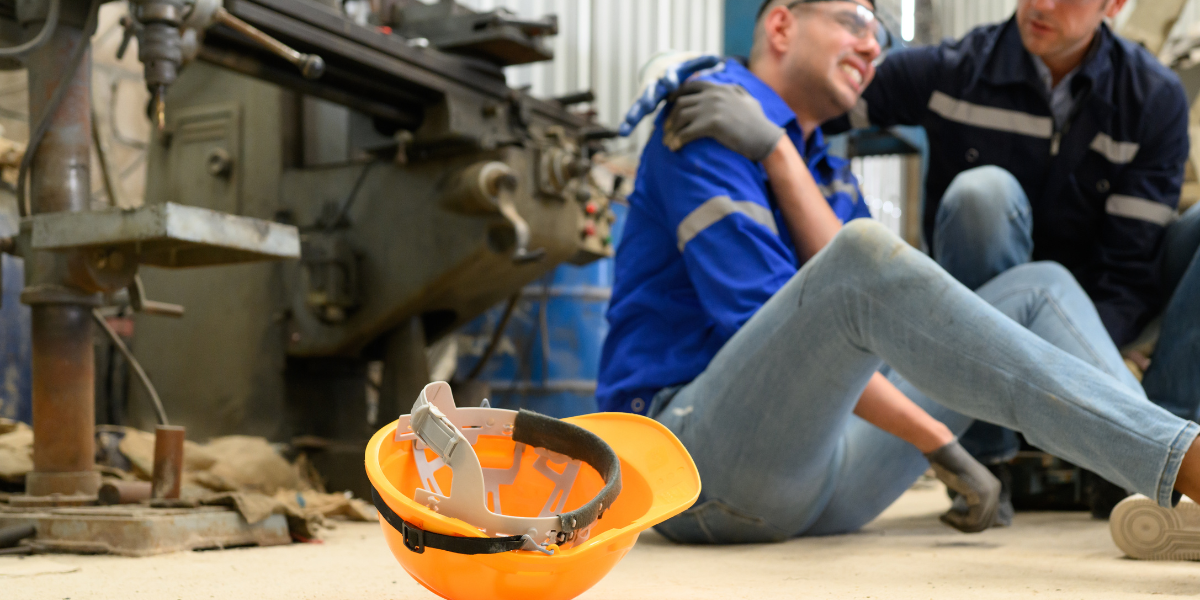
<point x="61" y="168"/>
<point x="168" y="462"/>
<point x="11" y="536"/>
<point x="43" y="100"/>
<point x="63" y="402"/>
<point x="124" y="492"/>
<point x="63" y="363"/>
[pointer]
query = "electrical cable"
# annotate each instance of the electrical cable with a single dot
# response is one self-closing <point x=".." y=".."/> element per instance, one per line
<point x="137" y="367"/>
<point x="344" y="209"/>
<point x="495" y="341"/>
<point x="60" y="92"/>
<point x="41" y="38"/>
<point x="102" y="153"/>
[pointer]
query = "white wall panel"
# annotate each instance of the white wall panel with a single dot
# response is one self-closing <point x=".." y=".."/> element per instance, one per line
<point x="603" y="43"/>
<point x="957" y="17"/>
<point x="881" y="179"/>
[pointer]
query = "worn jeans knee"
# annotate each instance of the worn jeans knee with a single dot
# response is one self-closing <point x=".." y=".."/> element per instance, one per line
<point x="984" y="226"/>
<point x="715" y="522"/>
<point x="862" y="248"/>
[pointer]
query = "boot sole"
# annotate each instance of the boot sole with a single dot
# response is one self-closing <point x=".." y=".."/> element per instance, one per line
<point x="1146" y="531"/>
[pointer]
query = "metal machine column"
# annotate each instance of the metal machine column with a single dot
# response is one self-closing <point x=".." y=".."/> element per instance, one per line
<point x="63" y="365"/>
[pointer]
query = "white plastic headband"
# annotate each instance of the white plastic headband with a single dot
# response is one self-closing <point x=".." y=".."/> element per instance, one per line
<point x="451" y="432"/>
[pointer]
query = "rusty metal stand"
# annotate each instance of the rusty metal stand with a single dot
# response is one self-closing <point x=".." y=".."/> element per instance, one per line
<point x="63" y="364"/>
<point x="72" y="255"/>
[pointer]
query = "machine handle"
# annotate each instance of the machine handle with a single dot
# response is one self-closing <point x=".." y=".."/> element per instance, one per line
<point x="500" y="184"/>
<point x="137" y="298"/>
<point x="310" y="65"/>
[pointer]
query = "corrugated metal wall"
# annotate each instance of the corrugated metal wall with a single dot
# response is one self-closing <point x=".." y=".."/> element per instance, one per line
<point x="602" y="44"/>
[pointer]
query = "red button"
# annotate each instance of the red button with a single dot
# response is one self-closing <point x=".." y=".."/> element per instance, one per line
<point x="589" y="229"/>
<point x="590" y="208"/>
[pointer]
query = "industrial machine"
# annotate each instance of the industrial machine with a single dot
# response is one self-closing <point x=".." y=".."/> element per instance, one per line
<point x="406" y="187"/>
<point x="424" y="188"/>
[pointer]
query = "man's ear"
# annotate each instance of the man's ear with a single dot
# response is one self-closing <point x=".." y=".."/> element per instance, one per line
<point x="777" y="27"/>
<point x="1114" y="8"/>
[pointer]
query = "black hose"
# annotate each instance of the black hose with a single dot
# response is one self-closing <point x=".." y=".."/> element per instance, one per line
<point x="60" y="92"/>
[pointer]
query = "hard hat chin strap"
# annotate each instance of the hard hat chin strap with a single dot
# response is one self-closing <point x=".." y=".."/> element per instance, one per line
<point x="417" y="539"/>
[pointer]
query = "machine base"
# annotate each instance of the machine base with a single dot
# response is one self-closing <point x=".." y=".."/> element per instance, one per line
<point x="143" y="531"/>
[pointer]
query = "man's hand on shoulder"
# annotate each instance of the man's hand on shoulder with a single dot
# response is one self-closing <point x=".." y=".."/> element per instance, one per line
<point x="657" y="91"/>
<point x="726" y="113"/>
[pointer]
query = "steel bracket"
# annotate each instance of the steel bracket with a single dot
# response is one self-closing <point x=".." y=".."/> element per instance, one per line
<point x="168" y="235"/>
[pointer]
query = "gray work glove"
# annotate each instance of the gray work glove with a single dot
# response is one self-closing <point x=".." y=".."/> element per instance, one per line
<point x="726" y="113"/>
<point x="973" y="482"/>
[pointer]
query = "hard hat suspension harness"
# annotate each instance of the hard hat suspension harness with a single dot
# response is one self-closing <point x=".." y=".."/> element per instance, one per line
<point x="449" y="431"/>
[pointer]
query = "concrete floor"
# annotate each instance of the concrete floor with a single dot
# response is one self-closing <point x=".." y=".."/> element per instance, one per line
<point x="906" y="553"/>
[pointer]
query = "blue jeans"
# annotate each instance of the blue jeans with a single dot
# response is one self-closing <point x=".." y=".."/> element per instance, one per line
<point x="984" y="227"/>
<point x="770" y="422"/>
<point x="1173" y="379"/>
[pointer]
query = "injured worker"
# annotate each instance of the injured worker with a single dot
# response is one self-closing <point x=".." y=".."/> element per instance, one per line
<point x="754" y="312"/>
<point x="1051" y="138"/>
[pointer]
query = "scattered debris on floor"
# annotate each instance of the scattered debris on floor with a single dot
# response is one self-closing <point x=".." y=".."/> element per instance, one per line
<point x="245" y="473"/>
<point x="32" y="567"/>
<point x="16" y="451"/>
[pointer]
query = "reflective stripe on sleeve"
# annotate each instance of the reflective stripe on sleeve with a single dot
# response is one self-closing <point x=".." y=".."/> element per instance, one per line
<point x="1140" y="209"/>
<point x="840" y="186"/>
<point x="1118" y="153"/>
<point x="859" y="117"/>
<point x="987" y="117"/>
<point x="715" y="209"/>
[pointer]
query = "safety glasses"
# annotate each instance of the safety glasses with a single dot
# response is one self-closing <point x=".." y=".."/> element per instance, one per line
<point x="859" y="20"/>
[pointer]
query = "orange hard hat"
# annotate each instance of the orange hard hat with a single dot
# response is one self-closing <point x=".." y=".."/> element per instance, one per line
<point x="538" y="507"/>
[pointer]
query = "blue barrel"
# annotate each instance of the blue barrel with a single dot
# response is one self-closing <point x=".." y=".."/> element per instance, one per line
<point x="16" y="345"/>
<point x="549" y="356"/>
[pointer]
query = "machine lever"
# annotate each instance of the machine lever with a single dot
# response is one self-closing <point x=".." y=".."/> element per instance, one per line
<point x="310" y="65"/>
<point x="137" y="297"/>
<point x="131" y="27"/>
<point x="502" y="184"/>
<point x="522" y="254"/>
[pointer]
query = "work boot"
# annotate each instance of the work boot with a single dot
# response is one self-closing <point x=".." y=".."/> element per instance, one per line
<point x="1144" y="530"/>
<point x="1004" y="511"/>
